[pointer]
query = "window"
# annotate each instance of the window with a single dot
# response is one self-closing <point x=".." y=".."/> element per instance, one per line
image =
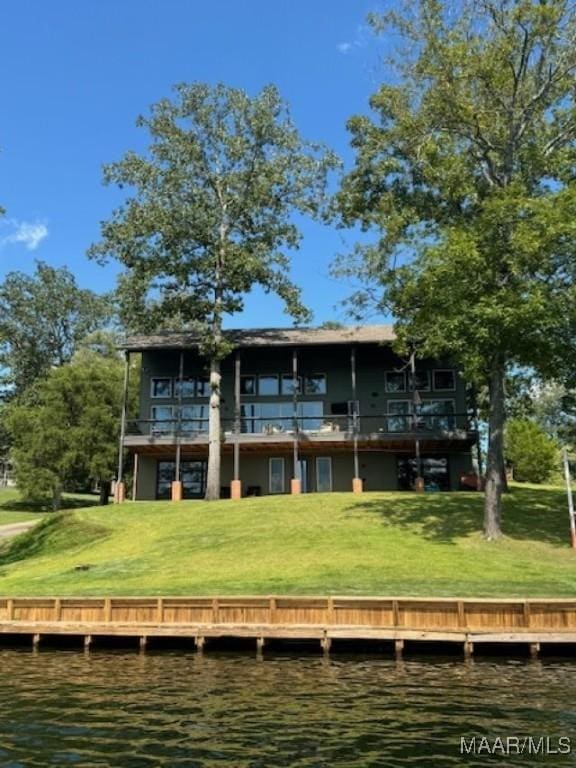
<point x="323" y="474"/>
<point x="194" y="418"/>
<point x="161" y="387"/>
<point x="268" y="385"/>
<point x="192" y="387"/>
<point x="276" y="476"/>
<point x="400" y="418"/>
<point x="270" y="418"/>
<point x="162" y="417"/>
<point x="312" y="413"/>
<point x="315" y="384"/>
<point x="192" y="475"/>
<point x="444" y="380"/>
<point x="288" y="384"/>
<point x="395" y="381"/>
<point x="437" y="415"/>
<point x="434" y="471"/>
<point x="421" y="379"/>
<point x="247" y="385"/>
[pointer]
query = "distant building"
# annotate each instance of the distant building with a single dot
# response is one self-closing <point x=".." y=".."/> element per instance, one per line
<point x="331" y="409"/>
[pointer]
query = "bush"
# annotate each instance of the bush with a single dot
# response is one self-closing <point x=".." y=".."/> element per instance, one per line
<point x="532" y="453"/>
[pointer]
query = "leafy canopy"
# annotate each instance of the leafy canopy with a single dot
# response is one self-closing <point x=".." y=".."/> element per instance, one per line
<point x="212" y="209"/>
<point x="64" y="429"/>
<point x="43" y="319"/>
<point x="468" y="173"/>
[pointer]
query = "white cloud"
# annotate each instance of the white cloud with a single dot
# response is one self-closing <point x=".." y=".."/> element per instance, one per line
<point x="362" y="37"/>
<point x="344" y="47"/>
<point x="29" y="233"/>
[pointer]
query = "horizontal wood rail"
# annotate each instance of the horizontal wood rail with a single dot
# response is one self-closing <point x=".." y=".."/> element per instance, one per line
<point x="463" y="620"/>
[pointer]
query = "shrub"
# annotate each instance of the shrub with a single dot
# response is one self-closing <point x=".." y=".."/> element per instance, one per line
<point x="532" y="453"/>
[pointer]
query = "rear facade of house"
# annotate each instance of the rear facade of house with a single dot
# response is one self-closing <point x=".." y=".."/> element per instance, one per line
<point x="331" y="409"/>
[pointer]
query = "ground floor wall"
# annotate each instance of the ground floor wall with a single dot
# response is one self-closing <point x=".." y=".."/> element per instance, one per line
<point x="263" y="474"/>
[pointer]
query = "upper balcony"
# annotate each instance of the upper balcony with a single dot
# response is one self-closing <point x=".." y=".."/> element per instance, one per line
<point x="255" y="428"/>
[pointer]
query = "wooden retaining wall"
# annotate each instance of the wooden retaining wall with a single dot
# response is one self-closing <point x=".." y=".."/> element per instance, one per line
<point x="465" y="621"/>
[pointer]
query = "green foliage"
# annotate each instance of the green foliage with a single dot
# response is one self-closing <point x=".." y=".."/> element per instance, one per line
<point x="533" y="454"/>
<point x="211" y="212"/>
<point x="468" y="172"/>
<point x="43" y="319"/>
<point x="65" y="427"/>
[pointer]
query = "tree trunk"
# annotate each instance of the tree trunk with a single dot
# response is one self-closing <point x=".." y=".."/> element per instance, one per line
<point x="213" y="476"/>
<point x="56" y="498"/>
<point x="495" y="458"/>
<point x="104" y="492"/>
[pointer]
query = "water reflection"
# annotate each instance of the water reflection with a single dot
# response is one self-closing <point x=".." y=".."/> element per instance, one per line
<point x="63" y="708"/>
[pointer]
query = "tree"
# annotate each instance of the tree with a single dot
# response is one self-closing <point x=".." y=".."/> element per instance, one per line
<point x="43" y="319"/>
<point x="65" y="427"/>
<point x="469" y="174"/>
<point x="211" y="214"/>
<point x="533" y="455"/>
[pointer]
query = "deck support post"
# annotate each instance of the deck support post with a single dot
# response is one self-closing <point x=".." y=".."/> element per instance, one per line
<point x="176" y="494"/>
<point x="295" y="486"/>
<point x="326" y="644"/>
<point x="35" y="641"/>
<point x="142" y="643"/>
<point x="87" y="642"/>
<point x="398" y="647"/>
<point x="135" y="477"/>
<point x="199" y="643"/>
<point x="468" y="648"/>
<point x="120" y="489"/>
<point x="357" y="485"/>
<point x="534" y="650"/>
<point x="296" y="482"/>
<point x="260" y="644"/>
<point x="236" y="484"/>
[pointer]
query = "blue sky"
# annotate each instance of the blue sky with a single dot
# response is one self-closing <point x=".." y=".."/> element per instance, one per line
<point x="75" y="75"/>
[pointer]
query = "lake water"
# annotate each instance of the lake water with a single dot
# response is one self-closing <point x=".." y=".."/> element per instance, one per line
<point x="118" y="708"/>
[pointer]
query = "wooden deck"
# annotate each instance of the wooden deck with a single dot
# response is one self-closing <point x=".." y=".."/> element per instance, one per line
<point x="464" y="622"/>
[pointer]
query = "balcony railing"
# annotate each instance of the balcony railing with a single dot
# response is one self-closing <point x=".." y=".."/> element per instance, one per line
<point x="373" y="424"/>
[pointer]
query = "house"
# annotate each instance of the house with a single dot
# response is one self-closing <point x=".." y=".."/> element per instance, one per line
<point x="303" y="410"/>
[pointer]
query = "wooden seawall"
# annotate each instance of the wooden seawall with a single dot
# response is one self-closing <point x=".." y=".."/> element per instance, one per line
<point x="467" y="622"/>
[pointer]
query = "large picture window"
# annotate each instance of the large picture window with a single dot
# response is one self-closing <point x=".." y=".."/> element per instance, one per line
<point x="400" y="416"/>
<point x="315" y="384"/>
<point x="438" y="415"/>
<point x="269" y="418"/>
<point x="434" y="470"/>
<point x="194" y="386"/>
<point x="419" y="380"/>
<point x="162" y="418"/>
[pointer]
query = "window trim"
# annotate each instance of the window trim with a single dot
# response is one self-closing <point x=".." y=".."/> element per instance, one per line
<point x="444" y="370"/>
<point x="283" y="465"/>
<point x="395" y="391"/>
<point x="331" y="473"/>
<point x="161" y="378"/>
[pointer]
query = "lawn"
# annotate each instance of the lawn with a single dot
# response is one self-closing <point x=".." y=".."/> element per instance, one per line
<point x="377" y="543"/>
<point x="15" y="510"/>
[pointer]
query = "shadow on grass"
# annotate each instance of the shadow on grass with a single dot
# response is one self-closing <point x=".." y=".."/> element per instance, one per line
<point x="529" y="514"/>
<point x="43" y="506"/>
<point x="54" y="534"/>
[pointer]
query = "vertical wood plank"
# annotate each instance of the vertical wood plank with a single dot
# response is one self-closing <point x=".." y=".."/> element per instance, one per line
<point x="160" y="610"/>
<point x="10" y="609"/>
<point x="215" y="610"/>
<point x="107" y="609"/>
<point x="395" y="613"/>
<point x="461" y="614"/>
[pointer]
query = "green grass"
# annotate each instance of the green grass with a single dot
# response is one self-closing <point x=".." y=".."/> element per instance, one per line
<point x="378" y="543"/>
<point x="13" y="509"/>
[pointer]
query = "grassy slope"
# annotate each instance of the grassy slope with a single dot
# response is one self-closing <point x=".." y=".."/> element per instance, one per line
<point x="14" y="510"/>
<point x="379" y="543"/>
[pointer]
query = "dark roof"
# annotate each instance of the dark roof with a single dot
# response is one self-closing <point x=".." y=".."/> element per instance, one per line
<point x="267" y="337"/>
